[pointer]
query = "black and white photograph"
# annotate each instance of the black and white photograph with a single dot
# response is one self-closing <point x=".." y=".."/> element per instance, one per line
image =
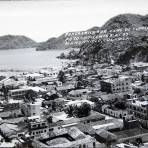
<point x="73" y="74"/>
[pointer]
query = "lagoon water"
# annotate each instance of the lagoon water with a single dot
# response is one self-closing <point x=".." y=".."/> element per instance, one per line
<point x="28" y="59"/>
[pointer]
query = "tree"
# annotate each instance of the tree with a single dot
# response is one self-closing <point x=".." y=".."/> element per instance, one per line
<point x="78" y="111"/>
<point x="62" y="55"/>
<point x="53" y="106"/>
<point x="79" y="85"/>
<point x="71" y="72"/>
<point x="5" y="92"/>
<point x="85" y="109"/>
<point x="30" y="95"/>
<point x="49" y="119"/>
<point x="97" y="104"/>
<point x="69" y="110"/>
<point x="61" y="76"/>
<point x="80" y="82"/>
<point x="137" y="91"/>
<point x="142" y="78"/>
<point x="73" y="54"/>
<point x="139" y="141"/>
<point x="120" y="105"/>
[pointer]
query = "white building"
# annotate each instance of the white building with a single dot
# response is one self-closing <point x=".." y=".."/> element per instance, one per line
<point x="50" y="72"/>
<point x="32" y="109"/>
<point x="18" y="92"/>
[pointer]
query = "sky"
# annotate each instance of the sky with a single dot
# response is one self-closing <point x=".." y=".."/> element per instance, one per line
<point x="41" y="20"/>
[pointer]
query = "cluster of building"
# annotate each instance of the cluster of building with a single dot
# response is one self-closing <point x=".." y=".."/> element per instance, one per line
<point x="33" y="107"/>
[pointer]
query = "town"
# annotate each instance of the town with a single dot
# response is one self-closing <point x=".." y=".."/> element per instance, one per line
<point x="80" y="105"/>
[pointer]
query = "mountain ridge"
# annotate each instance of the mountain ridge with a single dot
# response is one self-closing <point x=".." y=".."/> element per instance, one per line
<point x="122" y="52"/>
<point x="16" y="42"/>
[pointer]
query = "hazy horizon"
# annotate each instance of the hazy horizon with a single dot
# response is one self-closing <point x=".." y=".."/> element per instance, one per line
<point x="41" y="20"/>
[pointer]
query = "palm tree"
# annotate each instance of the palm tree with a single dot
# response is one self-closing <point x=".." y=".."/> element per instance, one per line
<point x="30" y="96"/>
<point x="61" y="76"/>
<point x="69" y="110"/>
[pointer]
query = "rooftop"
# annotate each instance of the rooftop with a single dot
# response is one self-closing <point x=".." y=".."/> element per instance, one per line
<point x="36" y="89"/>
<point x="64" y="120"/>
<point x="78" y="91"/>
<point x="34" y="75"/>
<point x="130" y="132"/>
<point x="113" y="80"/>
<point x="20" y="89"/>
<point x="140" y="64"/>
<point x="140" y="103"/>
<point x="79" y="102"/>
<point x="106" y="135"/>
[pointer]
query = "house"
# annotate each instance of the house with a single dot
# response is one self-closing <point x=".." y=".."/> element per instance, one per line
<point x="31" y="109"/>
<point x="78" y="94"/>
<point x="145" y="76"/>
<point x="65" y="88"/>
<point x="118" y="113"/>
<point x="38" y="128"/>
<point x="46" y="81"/>
<point x="109" y="125"/>
<point x="129" y="122"/>
<point x="10" y="130"/>
<point x="141" y="66"/>
<point x="18" y="93"/>
<point x="10" y="109"/>
<point x="13" y="83"/>
<point x="130" y="135"/>
<point x="36" y="89"/>
<point x="139" y="108"/>
<point x="33" y="76"/>
<point x="72" y="137"/>
<point x="55" y="105"/>
<point x="50" y="72"/>
<point x="136" y="76"/>
<point x="116" y="85"/>
<point x="108" y="71"/>
<point x="110" y="97"/>
<point x="104" y="136"/>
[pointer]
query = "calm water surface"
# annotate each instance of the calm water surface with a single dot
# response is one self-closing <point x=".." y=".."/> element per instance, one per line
<point x="28" y="59"/>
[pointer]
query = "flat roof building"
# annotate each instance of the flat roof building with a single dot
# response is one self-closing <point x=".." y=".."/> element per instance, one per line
<point x="116" y="85"/>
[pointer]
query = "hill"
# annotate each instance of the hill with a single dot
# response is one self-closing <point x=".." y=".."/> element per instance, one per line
<point x="123" y="52"/>
<point x="53" y="43"/>
<point x="58" y="43"/>
<point x="16" y="42"/>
